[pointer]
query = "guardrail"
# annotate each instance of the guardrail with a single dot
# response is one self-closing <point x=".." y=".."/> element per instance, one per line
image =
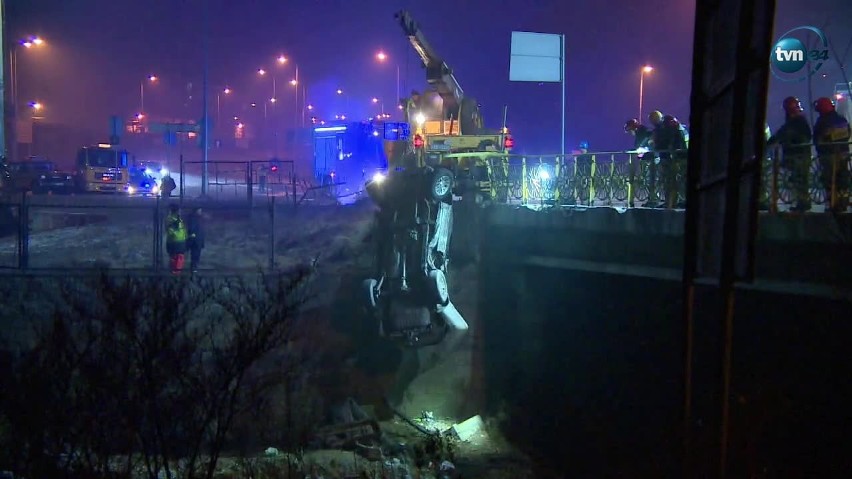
<point x="631" y="179"/>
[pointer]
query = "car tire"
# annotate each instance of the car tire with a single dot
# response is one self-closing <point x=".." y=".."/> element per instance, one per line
<point x="440" y="184"/>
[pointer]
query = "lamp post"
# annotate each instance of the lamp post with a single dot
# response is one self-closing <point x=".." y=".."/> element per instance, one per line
<point x="148" y="79"/>
<point x="642" y="72"/>
<point x="383" y="57"/>
<point x="29" y="43"/>
<point x="225" y="91"/>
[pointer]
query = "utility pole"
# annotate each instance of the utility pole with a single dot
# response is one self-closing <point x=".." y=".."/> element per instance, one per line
<point x="205" y="127"/>
<point x="2" y="80"/>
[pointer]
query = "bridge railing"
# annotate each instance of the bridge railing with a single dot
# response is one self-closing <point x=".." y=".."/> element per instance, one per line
<point x="636" y="178"/>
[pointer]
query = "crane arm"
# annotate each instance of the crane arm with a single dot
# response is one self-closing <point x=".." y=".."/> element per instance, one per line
<point x="438" y="73"/>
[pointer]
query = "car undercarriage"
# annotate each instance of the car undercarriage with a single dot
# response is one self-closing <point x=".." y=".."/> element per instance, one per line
<point x="408" y="295"/>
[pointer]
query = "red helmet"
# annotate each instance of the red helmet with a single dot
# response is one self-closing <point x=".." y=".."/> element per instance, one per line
<point x="824" y="105"/>
<point x="792" y="105"/>
<point x="632" y="125"/>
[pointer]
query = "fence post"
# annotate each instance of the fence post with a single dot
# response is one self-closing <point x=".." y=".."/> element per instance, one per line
<point x="249" y="186"/>
<point x="182" y="179"/>
<point x="293" y="182"/>
<point x="158" y="237"/>
<point x="24" y="233"/>
<point x="271" y="233"/>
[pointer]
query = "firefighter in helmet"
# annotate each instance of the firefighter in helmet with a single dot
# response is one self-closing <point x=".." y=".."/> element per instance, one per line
<point x="794" y="136"/>
<point x="670" y="141"/>
<point x="831" y="136"/>
<point x="652" y="160"/>
<point x="641" y="141"/>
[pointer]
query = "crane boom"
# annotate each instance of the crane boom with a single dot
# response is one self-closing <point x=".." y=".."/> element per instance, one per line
<point x="438" y="74"/>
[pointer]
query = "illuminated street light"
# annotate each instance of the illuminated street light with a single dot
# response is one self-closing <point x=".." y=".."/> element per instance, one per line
<point x="282" y="59"/>
<point x="272" y="100"/>
<point x="310" y="107"/>
<point x="339" y="91"/>
<point x="140" y="116"/>
<point x="375" y="100"/>
<point x="151" y="79"/>
<point x="294" y="82"/>
<point x="382" y="57"/>
<point x="645" y="69"/>
<point x="420" y="118"/>
<point x="226" y="91"/>
<point x="261" y="71"/>
<point x="36" y="106"/>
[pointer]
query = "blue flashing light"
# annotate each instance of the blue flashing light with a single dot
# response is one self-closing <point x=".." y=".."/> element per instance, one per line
<point x="322" y="129"/>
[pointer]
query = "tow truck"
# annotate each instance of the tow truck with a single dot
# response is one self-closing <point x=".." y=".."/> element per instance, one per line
<point x="446" y="120"/>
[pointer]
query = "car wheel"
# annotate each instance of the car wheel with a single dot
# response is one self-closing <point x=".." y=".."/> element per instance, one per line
<point x="440" y="184"/>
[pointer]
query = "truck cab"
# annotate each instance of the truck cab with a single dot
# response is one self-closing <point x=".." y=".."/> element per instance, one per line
<point x="103" y="168"/>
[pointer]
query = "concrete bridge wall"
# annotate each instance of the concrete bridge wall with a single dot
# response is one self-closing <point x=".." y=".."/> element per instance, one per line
<point x="581" y="330"/>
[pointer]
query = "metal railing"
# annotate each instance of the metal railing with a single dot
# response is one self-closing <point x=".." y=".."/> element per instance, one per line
<point x="47" y="234"/>
<point x="632" y="179"/>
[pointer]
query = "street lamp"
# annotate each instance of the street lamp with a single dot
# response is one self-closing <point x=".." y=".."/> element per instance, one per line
<point x="382" y="57"/>
<point x="642" y="72"/>
<point x="148" y="79"/>
<point x="32" y="42"/>
<point x="36" y="106"/>
<point x="282" y="59"/>
<point x="225" y="91"/>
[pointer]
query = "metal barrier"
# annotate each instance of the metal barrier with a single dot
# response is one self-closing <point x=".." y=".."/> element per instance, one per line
<point x="630" y="179"/>
<point x="250" y="179"/>
<point x="46" y="234"/>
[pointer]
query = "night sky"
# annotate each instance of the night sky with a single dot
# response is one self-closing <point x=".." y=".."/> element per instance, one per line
<point x="99" y="51"/>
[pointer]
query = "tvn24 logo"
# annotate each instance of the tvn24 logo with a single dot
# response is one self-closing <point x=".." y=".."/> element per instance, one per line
<point x="792" y="61"/>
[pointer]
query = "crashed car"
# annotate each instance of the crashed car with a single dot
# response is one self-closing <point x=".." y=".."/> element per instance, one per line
<point x="408" y="295"/>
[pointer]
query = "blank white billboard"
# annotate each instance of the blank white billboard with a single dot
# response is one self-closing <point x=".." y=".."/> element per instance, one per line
<point x="536" y="57"/>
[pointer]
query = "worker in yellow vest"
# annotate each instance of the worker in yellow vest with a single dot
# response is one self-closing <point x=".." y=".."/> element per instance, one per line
<point x="175" y="239"/>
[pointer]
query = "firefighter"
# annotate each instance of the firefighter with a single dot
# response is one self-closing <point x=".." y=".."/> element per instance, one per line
<point x="831" y="136"/>
<point x="641" y="133"/>
<point x="175" y="239"/>
<point x="641" y="140"/>
<point x="167" y="185"/>
<point x="794" y="136"/>
<point x="655" y="118"/>
<point x="670" y="141"/>
<point x="195" y="239"/>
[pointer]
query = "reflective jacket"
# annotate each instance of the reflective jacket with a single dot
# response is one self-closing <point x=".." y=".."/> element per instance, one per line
<point x="175" y="234"/>
<point x="831" y="128"/>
